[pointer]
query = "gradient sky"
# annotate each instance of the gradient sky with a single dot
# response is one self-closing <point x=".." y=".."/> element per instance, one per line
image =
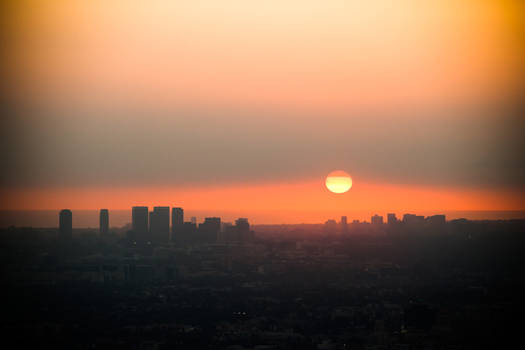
<point x="250" y="104"/>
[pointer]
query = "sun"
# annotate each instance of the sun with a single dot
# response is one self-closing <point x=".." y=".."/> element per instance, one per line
<point x="338" y="181"/>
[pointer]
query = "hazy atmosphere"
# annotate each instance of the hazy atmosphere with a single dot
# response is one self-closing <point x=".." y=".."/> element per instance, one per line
<point x="248" y="104"/>
<point x="263" y="175"/>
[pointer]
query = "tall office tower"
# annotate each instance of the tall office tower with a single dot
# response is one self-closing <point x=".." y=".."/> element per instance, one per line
<point x="104" y="221"/>
<point x="139" y="222"/>
<point x="193" y="220"/>
<point x="177" y="221"/>
<point x="65" y="227"/>
<point x="391" y="218"/>
<point x="159" y="224"/>
<point x="377" y="219"/>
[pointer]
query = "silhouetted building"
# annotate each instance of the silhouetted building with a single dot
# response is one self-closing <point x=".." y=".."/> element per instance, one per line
<point x="159" y="224"/>
<point x="139" y="222"/>
<point x="436" y="223"/>
<point x="436" y="220"/>
<point x="65" y="225"/>
<point x="189" y="228"/>
<point x="413" y="219"/>
<point x="240" y="232"/>
<point x="193" y="220"/>
<point x="177" y="221"/>
<point x="344" y="223"/>
<point x="104" y="221"/>
<point x="391" y="218"/>
<point x="186" y="233"/>
<point x="414" y="223"/>
<point x="209" y="229"/>
<point x="225" y="226"/>
<point x="243" y="225"/>
<point x="377" y="220"/>
<point x="212" y="223"/>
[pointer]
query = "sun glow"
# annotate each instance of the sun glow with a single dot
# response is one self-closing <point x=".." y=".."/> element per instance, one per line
<point x="338" y="181"/>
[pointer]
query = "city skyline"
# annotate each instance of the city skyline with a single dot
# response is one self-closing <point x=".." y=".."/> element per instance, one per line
<point x="122" y="217"/>
<point x="154" y="228"/>
<point x="148" y="222"/>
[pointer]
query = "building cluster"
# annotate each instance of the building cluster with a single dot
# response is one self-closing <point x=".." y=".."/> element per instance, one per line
<point x="153" y="227"/>
<point x="278" y="292"/>
<point x="408" y="222"/>
<point x="292" y="287"/>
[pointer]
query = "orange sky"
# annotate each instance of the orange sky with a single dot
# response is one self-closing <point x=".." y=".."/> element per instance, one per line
<point x="299" y="55"/>
<point x="302" y="197"/>
<point x="240" y="104"/>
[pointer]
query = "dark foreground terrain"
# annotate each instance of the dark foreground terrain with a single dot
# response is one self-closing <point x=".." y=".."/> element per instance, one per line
<point x="461" y="287"/>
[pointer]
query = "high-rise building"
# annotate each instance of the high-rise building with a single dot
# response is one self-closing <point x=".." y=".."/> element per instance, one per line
<point x="209" y="229"/>
<point x="243" y="226"/>
<point x="177" y="221"/>
<point x="104" y="221"/>
<point x="159" y="224"/>
<point x="376" y="220"/>
<point x="139" y="222"/>
<point x="65" y="224"/>
<point x="193" y="220"/>
<point x="391" y="218"/>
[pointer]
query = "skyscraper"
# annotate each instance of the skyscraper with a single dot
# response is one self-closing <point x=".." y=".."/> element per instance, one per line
<point x="177" y="221"/>
<point x="104" y="221"/>
<point x="159" y="224"/>
<point x="139" y="222"/>
<point x="65" y="224"/>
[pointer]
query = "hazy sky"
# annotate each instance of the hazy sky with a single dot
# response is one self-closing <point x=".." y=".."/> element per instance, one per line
<point x="213" y="99"/>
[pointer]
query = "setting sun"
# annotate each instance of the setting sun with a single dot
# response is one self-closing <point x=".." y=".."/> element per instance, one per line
<point x="338" y="181"/>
